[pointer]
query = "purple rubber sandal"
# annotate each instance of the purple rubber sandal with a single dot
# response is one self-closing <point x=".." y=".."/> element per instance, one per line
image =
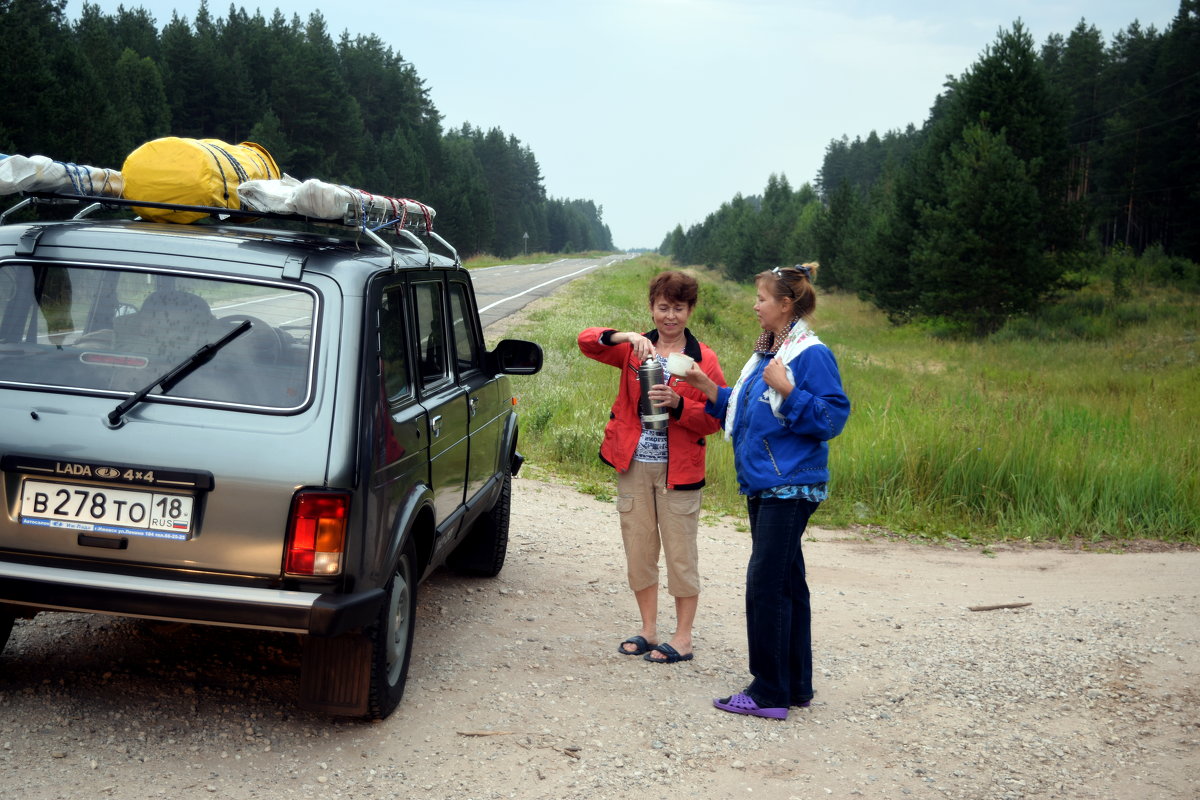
<point x="742" y="703"/>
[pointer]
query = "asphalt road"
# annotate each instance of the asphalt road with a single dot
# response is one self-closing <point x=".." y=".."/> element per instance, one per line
<point x="506" y="288"/>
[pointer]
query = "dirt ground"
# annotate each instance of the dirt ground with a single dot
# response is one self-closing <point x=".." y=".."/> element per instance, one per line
<point x="517" y="689"/>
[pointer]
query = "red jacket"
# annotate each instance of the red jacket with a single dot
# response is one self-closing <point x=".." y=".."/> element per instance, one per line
<point x="688" y="424"/>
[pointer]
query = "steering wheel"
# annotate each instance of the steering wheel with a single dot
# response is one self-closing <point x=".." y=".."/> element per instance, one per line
<point x="263" y="339"/>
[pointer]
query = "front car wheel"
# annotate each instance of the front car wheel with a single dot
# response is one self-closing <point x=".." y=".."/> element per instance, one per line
<point x="483" y="550"/>
<point x="8" y="615"/>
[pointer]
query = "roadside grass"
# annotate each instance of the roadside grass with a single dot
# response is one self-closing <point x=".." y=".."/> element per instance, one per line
<point x="1083" y="428"/>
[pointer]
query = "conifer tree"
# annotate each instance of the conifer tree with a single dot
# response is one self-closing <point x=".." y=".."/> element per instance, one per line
<point x="998" y="130"/>
<point x="978" y="256"/>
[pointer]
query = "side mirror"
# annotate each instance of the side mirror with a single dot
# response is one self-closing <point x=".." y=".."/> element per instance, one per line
<point x="517" y="357"/>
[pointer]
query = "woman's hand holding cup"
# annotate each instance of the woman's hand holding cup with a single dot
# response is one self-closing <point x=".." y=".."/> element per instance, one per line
<point x="678" y="364"/>
<point x="697" y="378"/>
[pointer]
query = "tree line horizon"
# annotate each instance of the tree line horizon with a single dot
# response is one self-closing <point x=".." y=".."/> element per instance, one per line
<point x="350" y="111"/>
<point x="1033" y="169"/>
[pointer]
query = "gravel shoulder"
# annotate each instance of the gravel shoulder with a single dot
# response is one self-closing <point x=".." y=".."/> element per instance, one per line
<point x="516" y="688"/>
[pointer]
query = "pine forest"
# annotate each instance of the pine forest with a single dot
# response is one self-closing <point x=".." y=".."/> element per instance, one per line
<point x="348" y="111"/>
<point x="1037" y="169"/>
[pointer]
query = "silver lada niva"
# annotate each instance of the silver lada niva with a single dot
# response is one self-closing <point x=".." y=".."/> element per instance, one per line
<point x="240" y="425"/>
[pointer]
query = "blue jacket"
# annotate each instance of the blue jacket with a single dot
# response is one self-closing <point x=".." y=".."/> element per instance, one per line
<point x="770" y="452"/>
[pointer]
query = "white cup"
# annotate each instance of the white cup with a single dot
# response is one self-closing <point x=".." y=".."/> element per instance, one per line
<point x="678" y="364"/>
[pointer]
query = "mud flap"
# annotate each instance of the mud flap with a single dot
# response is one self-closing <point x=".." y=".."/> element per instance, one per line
<point x="335" y="674"/>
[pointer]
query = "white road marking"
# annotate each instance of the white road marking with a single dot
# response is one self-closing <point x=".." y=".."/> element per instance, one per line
<point x="540" y="285"/>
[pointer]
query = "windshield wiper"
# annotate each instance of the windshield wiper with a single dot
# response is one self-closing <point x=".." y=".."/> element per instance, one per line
<point x="178" y="373"/>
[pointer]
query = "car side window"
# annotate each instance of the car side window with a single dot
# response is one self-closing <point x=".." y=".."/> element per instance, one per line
<point x="466" y="345"/>
<point x="429" y="309"/>
<point x="393" y="344"/>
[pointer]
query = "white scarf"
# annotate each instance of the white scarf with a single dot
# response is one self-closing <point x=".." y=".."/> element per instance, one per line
<point x="799" y="339"/>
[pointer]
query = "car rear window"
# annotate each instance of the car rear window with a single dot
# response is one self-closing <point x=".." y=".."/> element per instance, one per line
<point x="109" y="330"/>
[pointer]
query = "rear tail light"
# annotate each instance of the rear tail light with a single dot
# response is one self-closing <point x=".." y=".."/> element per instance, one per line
<point x="316" y="536"/>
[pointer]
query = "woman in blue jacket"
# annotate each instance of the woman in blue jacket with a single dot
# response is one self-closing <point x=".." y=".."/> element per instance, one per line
<point x="785" y="407"/>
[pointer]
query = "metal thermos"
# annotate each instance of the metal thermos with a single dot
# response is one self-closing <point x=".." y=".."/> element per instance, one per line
<point x="650" y="373"/>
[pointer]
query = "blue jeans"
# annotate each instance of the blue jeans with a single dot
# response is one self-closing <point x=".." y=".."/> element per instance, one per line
<point x="778" y="615"/>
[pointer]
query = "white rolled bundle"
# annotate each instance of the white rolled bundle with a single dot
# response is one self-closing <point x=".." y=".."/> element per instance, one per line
<point x="269" y="194"/>
<point x="42" y="174"/>
<point x="321" y="200"/>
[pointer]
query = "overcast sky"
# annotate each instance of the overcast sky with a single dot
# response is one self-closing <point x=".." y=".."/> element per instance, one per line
<point x="661" y="110"/>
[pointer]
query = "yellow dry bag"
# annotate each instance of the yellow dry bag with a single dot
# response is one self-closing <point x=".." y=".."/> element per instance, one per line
<point x="193" y="172"/>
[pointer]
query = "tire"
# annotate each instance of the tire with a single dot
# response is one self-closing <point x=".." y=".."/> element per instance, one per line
<point x="484" y="549"/>
<point x="391" y="637"/>
<point x="7" y="618"/>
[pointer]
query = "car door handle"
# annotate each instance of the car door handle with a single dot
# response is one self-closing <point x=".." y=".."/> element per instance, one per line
<point x="472" y="402"/>
<point x="435" y="425"/>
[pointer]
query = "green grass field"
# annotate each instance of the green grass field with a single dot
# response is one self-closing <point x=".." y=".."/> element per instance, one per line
<point x="1046" y="431"/>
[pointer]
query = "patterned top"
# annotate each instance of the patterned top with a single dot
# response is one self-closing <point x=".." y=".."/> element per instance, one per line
<point x="812" y="492"/>
<point x="652" y="447"/>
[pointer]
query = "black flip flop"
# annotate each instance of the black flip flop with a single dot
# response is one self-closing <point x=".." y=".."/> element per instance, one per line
<point x="672" y="655"/>
<point x="637" y="641"/>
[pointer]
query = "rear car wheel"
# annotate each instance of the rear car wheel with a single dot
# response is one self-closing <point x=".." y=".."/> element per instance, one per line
<point x="391" y="637"/>
<point x="484" y="549"/>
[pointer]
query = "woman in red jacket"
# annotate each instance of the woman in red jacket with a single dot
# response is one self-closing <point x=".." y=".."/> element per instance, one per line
<point x="660" y="473"/>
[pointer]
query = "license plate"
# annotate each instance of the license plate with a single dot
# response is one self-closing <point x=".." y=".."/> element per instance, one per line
<point x="104" y="510"/>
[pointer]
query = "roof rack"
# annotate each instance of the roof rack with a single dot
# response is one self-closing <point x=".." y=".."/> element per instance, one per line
<point x="369" y="217"/>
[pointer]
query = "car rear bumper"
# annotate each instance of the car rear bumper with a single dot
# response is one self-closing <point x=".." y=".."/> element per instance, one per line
<point x="57" y="589"/>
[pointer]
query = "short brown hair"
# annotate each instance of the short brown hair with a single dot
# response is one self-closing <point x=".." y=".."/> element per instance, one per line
<point x="674" y="286"/>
